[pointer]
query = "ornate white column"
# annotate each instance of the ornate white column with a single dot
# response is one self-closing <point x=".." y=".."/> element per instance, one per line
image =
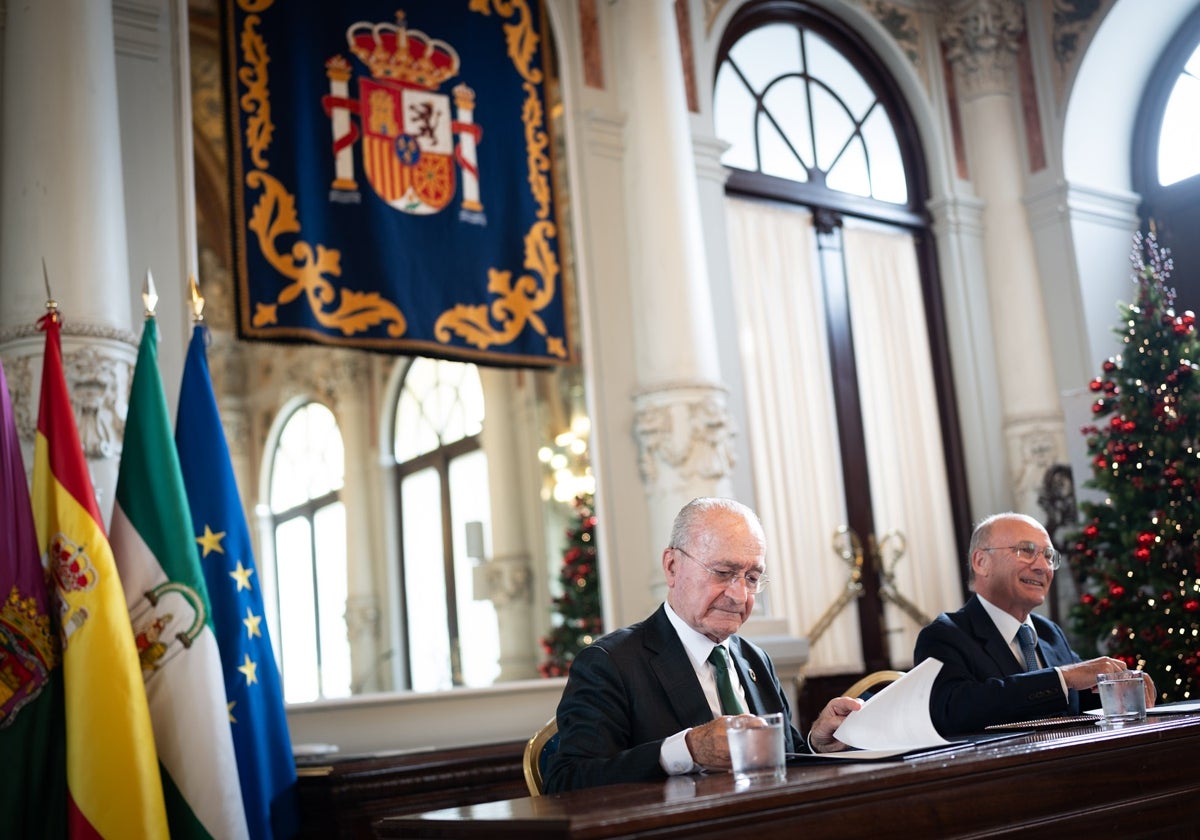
<point x="682" y="422"/>
<point x="506" y="577"/>
<point x="63" y="203"/>
<point x="981" y="39"/>
<point x="341" y="377"/>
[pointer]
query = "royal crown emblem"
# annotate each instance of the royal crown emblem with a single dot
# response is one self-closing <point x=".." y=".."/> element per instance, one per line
<point x="408" y="133"/>
<point x="27" y="653"/>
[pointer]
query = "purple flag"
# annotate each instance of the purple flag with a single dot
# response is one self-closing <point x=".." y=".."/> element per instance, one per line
<point x="33" y="796"/>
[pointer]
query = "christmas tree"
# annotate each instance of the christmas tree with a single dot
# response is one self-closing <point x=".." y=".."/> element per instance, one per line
<point x="1137" y="553"/>
<point x="577" y="609"/>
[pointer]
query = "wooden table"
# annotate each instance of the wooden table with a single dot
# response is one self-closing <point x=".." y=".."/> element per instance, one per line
<point x="1142" y="780"/>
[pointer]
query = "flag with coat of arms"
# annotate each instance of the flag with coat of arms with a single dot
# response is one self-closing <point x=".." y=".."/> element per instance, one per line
<point x="168" y="606"/>
<point x="33" y="797"/>
<point x="113" y="782"/>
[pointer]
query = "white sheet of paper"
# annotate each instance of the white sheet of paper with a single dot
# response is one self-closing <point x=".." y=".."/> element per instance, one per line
<point x="897" y="718"/>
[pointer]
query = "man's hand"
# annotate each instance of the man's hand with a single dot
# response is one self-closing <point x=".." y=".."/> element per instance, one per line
<point x="831" y="717"/>
<point x="1151" y="691"/>
<point x="1082" y="675"/>
<point x="709" y="745"/>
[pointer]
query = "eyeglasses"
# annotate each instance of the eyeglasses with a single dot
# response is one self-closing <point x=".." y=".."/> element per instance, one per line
<point x="755" y="581"/>
<point x="1029" y="551"/>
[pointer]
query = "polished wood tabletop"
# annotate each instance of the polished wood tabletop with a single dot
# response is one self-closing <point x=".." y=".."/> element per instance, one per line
<point x="1140" y="780"/>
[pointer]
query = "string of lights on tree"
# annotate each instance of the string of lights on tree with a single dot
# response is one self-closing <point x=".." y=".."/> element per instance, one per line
<point x="577" y="609"/>
<point x="1137" y="553"/>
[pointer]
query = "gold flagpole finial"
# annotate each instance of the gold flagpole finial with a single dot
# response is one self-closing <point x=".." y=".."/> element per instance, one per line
<point x="149" y="295"/>
<point x="51" y="303"/>
<point x="197" y="300"/>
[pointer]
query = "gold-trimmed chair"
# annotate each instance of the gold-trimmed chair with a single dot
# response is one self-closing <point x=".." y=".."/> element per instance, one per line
<point x="872" y="682"/>
<point x="540" y="747"/>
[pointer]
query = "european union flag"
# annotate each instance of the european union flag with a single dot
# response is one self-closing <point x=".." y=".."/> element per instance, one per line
<point x="252" y="685"/>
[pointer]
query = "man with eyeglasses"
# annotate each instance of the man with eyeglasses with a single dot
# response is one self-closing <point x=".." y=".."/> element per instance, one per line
<point x="986" y="677"/>
<point x="653" y="700"/>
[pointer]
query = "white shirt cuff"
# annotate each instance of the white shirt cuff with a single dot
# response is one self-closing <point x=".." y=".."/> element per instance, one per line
<point x="1062" y="681"/>
<point x="674" y="756"/>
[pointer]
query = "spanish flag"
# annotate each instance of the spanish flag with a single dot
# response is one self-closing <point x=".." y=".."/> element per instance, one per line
<point x="113" y="782"/>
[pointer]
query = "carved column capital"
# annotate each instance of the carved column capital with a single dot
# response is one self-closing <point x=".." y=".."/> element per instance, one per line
<point x="686" y="430"/>
<point x="98" y="367"/>
<point x="981" y="39"/>
<point x="1035" y="443"/>
<point x="505" y="581"/>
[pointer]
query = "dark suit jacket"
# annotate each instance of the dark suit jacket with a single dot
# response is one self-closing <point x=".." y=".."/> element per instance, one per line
<point x="635" y="687"/>
<point x="981" y="683"/>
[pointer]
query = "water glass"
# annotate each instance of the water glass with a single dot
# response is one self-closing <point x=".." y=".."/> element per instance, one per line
<point x="756" y="747"/>
<point x="1122" y="697"/>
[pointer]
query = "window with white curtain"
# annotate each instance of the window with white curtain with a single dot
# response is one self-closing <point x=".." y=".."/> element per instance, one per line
<point x="850" y="406"/>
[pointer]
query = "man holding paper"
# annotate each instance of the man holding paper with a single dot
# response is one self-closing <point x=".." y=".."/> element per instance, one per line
<point x="654" y="699"/>
<point x="1001" y="662"/>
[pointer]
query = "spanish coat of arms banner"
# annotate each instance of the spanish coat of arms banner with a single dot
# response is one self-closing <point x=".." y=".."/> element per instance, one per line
<point x="392" y="179"/>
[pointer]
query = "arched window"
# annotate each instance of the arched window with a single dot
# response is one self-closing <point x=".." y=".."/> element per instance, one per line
<point x="1166" y="158"/>
<point x="793" y="107"/>
<point x="308" y="520"/>
<point x="442" y="471"/>
<point x="835" y="283"/>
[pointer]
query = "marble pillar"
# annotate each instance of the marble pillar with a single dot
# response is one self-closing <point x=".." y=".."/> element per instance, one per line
<point x="682" y="422"/>
<point x="981" y="39"/>
<point x="63" y="221"/>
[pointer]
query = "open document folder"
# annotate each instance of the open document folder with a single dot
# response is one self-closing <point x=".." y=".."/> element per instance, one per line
<point x="895" y="721"/>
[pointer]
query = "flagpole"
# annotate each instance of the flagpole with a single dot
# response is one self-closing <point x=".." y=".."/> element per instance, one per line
<point x="197" y="300"/>
<point x="51" y="303"/>
<point x="149" y="294"/>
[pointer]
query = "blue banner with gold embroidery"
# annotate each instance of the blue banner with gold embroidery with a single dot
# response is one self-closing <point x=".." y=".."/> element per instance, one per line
<point x="392" y="178"/>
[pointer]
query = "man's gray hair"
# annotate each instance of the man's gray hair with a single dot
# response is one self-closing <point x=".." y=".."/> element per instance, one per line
<point x="687" y="521"/>
<point x="982" y="534"/>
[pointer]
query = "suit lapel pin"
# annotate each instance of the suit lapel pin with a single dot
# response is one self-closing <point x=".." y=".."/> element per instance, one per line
<point x="753" y="676"/>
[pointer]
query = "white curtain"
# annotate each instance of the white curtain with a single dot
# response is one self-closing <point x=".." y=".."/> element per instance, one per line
<point x="793" y="433"/>
<point x="792" y="429"/>
<point x="904" y="443"/>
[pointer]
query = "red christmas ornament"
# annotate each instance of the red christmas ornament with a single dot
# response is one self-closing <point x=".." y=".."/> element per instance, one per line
<point x="1116" y="590"/>
<point x="1191" y="605"/>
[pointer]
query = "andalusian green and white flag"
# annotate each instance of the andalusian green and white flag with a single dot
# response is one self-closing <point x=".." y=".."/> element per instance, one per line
<point x="152" y="540"/>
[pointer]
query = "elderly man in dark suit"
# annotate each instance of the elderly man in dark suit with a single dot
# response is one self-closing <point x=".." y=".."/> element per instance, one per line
<point x="988" y="676"/>
<point x="648" y="701"/>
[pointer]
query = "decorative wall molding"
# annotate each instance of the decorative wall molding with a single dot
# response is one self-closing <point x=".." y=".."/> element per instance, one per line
<point x="98" y="376"/>
<point x="137" y="26"/>
<point x="981" y="39"/>
<point x="686" y="429"/>
<point x="506" y="581"/>
<point x="604" y="135"/>
<point x="1035" y="443"/>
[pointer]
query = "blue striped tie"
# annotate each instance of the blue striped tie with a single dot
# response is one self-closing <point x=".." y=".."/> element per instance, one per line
<point x="1028" y="647"/>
